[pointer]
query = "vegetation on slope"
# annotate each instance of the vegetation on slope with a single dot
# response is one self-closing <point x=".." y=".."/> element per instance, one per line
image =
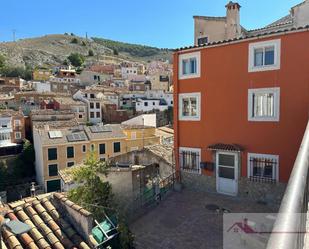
<point x="134" y="50"/>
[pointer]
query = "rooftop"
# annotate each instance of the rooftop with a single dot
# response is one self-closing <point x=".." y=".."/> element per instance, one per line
<point x="68" y="101"/>
<point x="50" y="225"/>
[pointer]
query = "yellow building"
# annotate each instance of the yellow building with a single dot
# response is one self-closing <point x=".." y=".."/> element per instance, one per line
<point x="41" y="74"/>
<point x="59" y="148"/>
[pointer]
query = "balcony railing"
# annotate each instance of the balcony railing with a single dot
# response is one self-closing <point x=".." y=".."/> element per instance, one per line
<point x="290" y="227"/>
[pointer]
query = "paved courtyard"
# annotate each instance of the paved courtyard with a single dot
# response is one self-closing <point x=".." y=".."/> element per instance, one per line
<point x="182" y="221"/>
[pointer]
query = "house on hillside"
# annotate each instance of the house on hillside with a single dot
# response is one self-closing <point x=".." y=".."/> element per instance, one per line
<point x="242" y="104"/>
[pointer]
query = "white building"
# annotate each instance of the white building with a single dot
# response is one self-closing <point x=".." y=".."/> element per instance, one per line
<point x="93" y="100"/>
<point x="147" y="105"/>
<point x="160" y="94"/>
<point x="41" y="87"/>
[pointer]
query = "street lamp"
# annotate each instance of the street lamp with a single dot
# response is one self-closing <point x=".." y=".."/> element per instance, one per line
<point x="15" y="226"/>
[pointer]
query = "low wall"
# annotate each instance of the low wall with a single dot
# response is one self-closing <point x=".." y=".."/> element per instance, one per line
<point x="255" y="191"/>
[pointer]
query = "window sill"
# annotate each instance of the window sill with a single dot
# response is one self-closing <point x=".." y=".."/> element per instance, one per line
<point x="263" y="68"/>
<point x="275" y="119"/>
<point x="262" y="179"/>
<point x="192" y="171"/>
<point x="188" y="76"/>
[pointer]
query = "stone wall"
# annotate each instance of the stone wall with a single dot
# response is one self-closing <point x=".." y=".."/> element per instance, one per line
<point x="270" y="193"/>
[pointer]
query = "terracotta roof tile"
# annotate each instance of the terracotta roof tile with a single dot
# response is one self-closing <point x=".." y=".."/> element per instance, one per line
<point x="225" y="147"/>
<point x="48" y="228"/>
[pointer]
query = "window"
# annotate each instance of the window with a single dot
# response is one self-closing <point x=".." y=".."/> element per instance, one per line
<point x="102" y="149"/>
<point x="52" y="154"/>
<point x="264" y="56"/>
<point x="18" y="135"/>
<point x="189" y="159"/>
<point x="70" y="152"/>
<point x="84" y="148"/>
<point x="91" y="105"/>
<point x="98" y="114"/>
<point x="145" y="103"/>
<point x="116" y="147"/>
<point x="80" y="116"/>
<point x="97" y="105"/>
<point x="133" y="135"/>
<point x="91" y="95"/>
<point x="70" y="164"/>
<point x="91" y="114"/>
<point x="52" y="170"/>
<point x="92" y="147"/>
<point x="263" y="104"/>
<point x="202" y="40"/>
<point x="263" y="168"/>
<point x="189" y="106"/>
<point x="54" y="185"/>
<point x="17" y="123"/>
<point x="189" y="65"/>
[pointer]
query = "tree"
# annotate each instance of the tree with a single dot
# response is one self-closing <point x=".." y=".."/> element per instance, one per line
<point x="24" y="164"/>
<point x="76" y="59"/>
<point x="74" y="41"/>
<point x="92" y="193"/>
<point x="115" y="51"/>
<point x="90" y="52"/>
<point x="2" y="61"/>
<point x="84" y="43"/>
<point x="25" y="73"/>
<point x="96" y="196"/>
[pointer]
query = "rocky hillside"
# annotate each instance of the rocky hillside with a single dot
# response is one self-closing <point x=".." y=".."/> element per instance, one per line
<point x="54" y="49"/>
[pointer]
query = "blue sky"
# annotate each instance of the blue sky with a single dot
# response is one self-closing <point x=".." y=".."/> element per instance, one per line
<point x="161" y="23"/>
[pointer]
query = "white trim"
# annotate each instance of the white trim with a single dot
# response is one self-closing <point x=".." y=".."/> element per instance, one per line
<point x="70" y="162"/>
<point x="277" y="55"/>
<point x="236" y="170"/>
<point x="276" y="92"/>
<point x="268" y="156"/>
<point x="17" y="132"/>
<point x="202" y="36"/>
<point x="182" y="57"/>
<point x="85" y="147"/>
<point x="198" y="107"/>
<point x="197" y="150"/>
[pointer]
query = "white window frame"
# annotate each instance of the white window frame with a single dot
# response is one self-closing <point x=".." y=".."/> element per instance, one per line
<point x="17" y="122"/>
<point x="17" y="132"/>
<point x="70" y="162"/>
<point x="133" y="135"/>
<point x="202" y="36"/>
<point x="196" y="150"/>
<point x="197" y="56"/>
<point x="268" y="156"/>
<point x="276" y="92"/>
<point x="198" y="106"/>
<point x="277" y="55"/>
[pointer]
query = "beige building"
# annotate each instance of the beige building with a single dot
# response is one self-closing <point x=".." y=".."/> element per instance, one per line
<point x="66" y="145"/>
<point x="208" y="29"/>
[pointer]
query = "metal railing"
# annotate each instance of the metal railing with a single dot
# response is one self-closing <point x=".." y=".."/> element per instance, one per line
<point x="290" y="227"/>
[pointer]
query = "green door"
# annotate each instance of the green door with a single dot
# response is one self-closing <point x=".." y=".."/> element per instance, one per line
<point x="53" y="185"/>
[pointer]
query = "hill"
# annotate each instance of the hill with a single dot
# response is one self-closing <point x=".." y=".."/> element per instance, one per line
<point x="52" y="50"/>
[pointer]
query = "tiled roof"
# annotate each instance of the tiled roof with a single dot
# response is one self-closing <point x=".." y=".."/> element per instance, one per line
<point x="68" y="101"/>
<point x="163" y="151"/>
<point x="50" y="228"/>
<point x="225" y="147"/>
<point x="248" y="36"/>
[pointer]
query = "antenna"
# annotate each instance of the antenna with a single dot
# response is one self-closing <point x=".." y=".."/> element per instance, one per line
<point x="14" y="34"/>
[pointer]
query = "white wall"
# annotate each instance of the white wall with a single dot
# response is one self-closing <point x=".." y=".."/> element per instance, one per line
<point x="149" y="105"/>
<point x="39" y="167"/>
<point x="41" y="87"/>
<point x="145" y="119"/>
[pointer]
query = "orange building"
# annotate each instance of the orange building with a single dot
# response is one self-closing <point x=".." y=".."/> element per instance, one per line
<point x="243" y="105"/>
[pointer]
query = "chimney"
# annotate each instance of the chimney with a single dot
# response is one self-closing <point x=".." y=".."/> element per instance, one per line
<point x="233" y="29"/>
